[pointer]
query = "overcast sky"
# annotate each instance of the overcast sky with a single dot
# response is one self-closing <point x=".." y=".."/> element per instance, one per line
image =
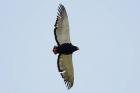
<point x="106" y="31"/>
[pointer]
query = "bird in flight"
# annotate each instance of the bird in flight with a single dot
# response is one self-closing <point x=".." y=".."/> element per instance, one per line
<point x="64" y="47"/>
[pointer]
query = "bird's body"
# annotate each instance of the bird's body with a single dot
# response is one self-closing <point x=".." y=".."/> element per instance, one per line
<point x="64" y="47"/>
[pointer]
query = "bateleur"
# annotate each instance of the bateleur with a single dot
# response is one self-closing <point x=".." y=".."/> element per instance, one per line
<point x="64" y="47"/>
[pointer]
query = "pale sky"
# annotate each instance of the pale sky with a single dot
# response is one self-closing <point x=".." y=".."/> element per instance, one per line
<point x="106" y="31"/>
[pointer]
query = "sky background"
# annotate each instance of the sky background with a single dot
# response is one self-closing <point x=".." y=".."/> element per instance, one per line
<point x="106" y="31"/>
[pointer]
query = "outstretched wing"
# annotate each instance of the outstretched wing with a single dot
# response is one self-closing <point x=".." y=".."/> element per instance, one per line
<point x="61" y="30"/>
<point x="65" y="68"/>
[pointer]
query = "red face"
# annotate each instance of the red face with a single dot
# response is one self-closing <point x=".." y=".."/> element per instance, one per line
<point x="55" y="50"/>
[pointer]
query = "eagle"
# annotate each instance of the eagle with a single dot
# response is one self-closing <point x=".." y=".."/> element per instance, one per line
<point x="64" y="47"/>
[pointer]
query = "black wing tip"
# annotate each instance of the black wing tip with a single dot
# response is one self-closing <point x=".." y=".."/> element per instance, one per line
<point x="68" y="84"/>
<point x="61" y="8"/>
